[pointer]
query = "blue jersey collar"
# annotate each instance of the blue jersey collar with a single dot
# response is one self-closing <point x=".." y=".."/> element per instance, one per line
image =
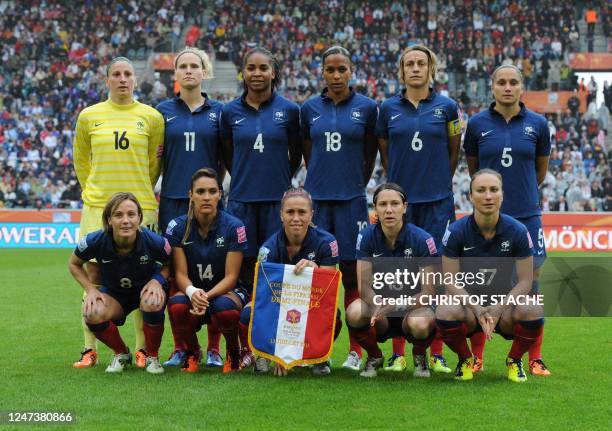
<point x="181" y="102"/>
<point x="399" y="241"/>
<point x="267" y="102"/>
<point x="109" y="245"/>
<point x="430" y="96"/>
<point x="520" y="114"/>
<point x="499" y="227"/>
<point x="213" y="226"/>
<point x="326" y="98"/>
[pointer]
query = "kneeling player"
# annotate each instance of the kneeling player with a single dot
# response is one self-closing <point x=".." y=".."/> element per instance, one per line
<point x="207" y="244"/>
<point x="129" y="258"/>
<point x="489" y="234"/>
<point x="391" y="237"/>
<point x="301" y="244"/>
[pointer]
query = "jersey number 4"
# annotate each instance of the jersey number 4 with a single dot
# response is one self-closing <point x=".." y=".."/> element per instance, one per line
<point x="121" y="142"/>
<point x="259" y="145"/>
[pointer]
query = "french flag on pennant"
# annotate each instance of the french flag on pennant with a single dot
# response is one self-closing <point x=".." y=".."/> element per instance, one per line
<point x="293" y="316"/>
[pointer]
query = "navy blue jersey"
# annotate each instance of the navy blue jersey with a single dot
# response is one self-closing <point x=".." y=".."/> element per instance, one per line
<point x="206" y="256"/>
<point x="319" y="246"/>
<point x="412" y="241"/>
<point x="511" y="240"/>
<point x="260" y="137"/>
<point x="125" y="273"/>
<point x="338" y="133"/>
<point x="418" y="144"/>
<point x="511" y="149"/>
<point x="191" y="141"/>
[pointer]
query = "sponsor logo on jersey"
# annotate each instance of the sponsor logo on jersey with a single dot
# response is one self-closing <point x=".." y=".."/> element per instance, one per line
<point x="279" y="116"/>
<point x="334" y="248"/>
<point x="241" y="234"/>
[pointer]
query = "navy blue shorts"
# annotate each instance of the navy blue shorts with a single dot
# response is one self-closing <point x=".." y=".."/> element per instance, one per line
<point x="261" y="219"/>
<point x="170" y="209"/>
<point x="534" y="226"/>
<point x="344" y="220"/>
<point x="433" y="217"/>
<point x="129" y="301"/>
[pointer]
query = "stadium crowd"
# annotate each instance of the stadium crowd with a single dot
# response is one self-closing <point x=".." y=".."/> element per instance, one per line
<point x="53" y="66"/>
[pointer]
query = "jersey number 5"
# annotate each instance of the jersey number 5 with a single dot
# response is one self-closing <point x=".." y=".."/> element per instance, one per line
<point x="121" y="142"/>
<point x="506" y="158"/>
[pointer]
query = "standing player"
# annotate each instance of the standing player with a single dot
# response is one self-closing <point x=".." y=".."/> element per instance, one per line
<point x="207" y="244"/>
<point x="301" y="244"/>
<point x="515" y="142"/>
<point x="391" y="237"/>
<point x="115" y="150"/>
<point x="488" y="237"/>
<point x="261" y="147"/>
<point x="339" y="146"/>
<point x="132" y="279"/>
<point x="191" y="142"/>
<point x="419" y="135"/>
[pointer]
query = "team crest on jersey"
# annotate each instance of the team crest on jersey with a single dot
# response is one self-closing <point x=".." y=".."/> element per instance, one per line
<point x="212" y="117"/>
<point x="144" y="259"/>
<point x="529" y="131"/>
<point x="82" y="245"/>
<point x="140" y="126"/>
<point x="279" y="116"/>
<point x="311" y="255"/>
<point x="505" y="246"/>
<point x="438" y="113"/>
<point x="263" y="254"/>
<point x="408" y="252"/>
<point x="356" y="114"/>
<point x="220" y="241"/>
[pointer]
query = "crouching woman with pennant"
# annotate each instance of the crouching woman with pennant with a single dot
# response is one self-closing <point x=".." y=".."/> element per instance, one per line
<point x="294" y="318"/>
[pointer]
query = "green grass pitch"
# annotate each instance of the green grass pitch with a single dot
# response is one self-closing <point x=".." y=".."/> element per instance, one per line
<point x="41" y="337"/>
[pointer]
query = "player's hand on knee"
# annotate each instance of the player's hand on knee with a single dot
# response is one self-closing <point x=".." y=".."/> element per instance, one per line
<point x="303" y="263"/>
<point x="152" y="295"/>
<point x="94" y="304"/>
